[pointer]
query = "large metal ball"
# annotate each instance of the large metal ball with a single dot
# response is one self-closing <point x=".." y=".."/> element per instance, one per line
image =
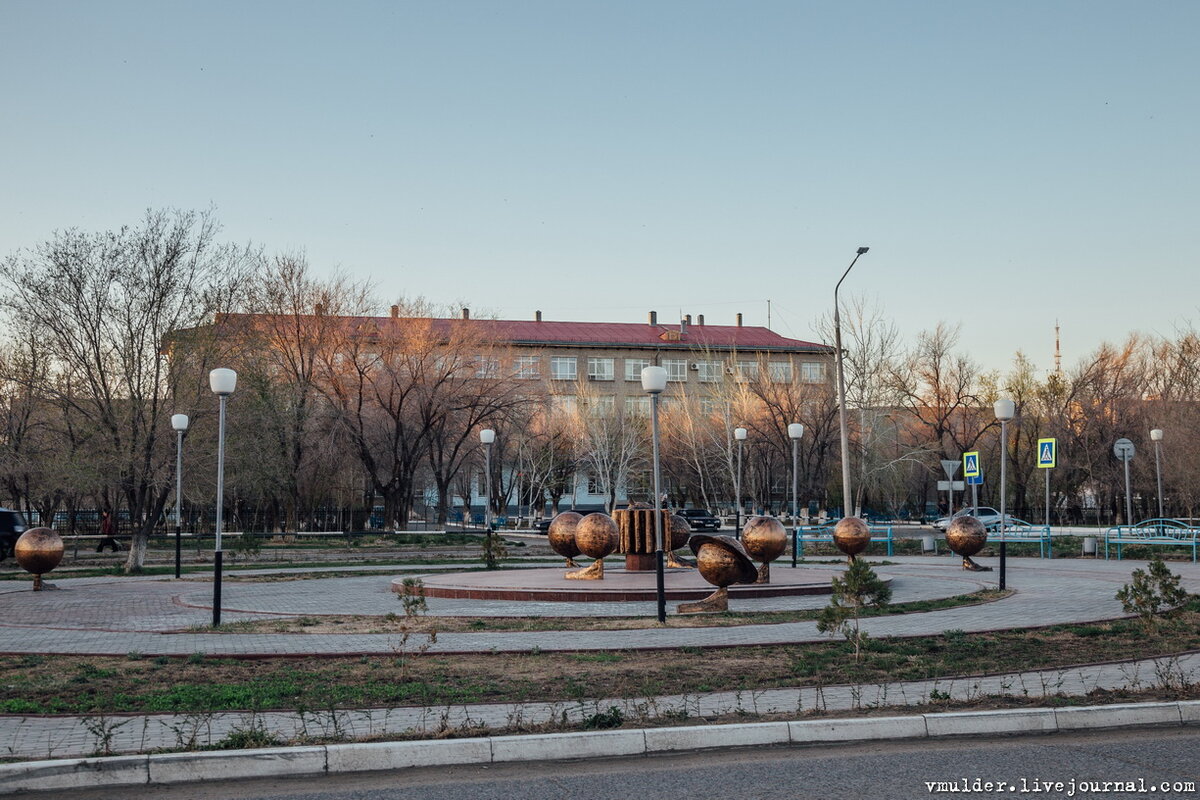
<point x="680" y="532"/>
<point x="765" y="538"/>
<point x="722" y="560"/>
<point x="966" y="536"/>
<point x="39" y="550"/>
<point x="561" y="533"/>
<point x="851" y="535"/>
<point x="596" y="535"/>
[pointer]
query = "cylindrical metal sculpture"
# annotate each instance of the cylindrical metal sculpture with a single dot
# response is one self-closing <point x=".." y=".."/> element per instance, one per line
<point x="722" y="561"/>
<point x="851" y="535"/>
<point x="561" y="535"/>
<point x="966" y="536"/>
<point x="765" y="540"/>
<point x="39" y="550"/>
<point x="596" y="537"/>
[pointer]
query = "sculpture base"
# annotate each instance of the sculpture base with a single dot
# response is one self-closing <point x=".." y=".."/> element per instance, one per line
<point x="593" y="573"/>
<point x="971" y="566"/>
<point x="764" y="572"/>
<point x="675" y="563"/>
<point x="717" y="601"/>
<point x="641" y="562"/>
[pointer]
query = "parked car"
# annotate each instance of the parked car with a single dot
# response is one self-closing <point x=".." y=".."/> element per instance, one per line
<point x="699" y="519"/>
<point x="543" y="524"/>
<point x="12" y="525"/>
<point x="990" y="518"/>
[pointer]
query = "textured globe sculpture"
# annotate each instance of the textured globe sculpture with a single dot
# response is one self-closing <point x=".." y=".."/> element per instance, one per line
<point x="765" y="539"/>
<point x="562" y="535"/>
<point x="38" y="551"/>
<point x="676" y="535"/>
<point x="851" y="535"/>
<point x="596" y="537"/>
<point x="722" y="561"/>
<point x="966" y="536"/>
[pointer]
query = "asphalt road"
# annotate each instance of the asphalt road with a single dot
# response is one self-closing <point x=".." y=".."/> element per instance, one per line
<point x="1029" y="766"/>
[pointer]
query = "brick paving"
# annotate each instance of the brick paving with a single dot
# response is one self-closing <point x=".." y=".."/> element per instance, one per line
<point x="116" y="616"/>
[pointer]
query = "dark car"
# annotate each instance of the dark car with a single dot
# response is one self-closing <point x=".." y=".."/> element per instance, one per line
<point x="698" y="519"/>
<point x="12" y="525"/>
<point x="543" y="524"/>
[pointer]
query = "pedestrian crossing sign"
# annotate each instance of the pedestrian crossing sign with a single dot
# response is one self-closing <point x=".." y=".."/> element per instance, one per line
<point x="1047" y="453"/>
<point x="971" y="465"/>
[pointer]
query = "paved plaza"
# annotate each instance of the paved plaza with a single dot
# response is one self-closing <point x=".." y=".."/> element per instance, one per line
<point x="116" y="616"/>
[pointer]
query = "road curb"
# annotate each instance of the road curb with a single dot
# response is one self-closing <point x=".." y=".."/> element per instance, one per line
<point x="192" y="767"/>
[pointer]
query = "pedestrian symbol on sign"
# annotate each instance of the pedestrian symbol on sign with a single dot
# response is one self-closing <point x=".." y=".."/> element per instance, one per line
<point x="971" y="465"/>
<point x="1047" y="453"/>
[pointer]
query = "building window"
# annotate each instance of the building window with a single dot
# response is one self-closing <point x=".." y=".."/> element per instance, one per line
<point x="634" y="367"/>
<point x="812" y="372"/>
<point x="528" y="368"/>
<point x="487" y="367"/>
<point x="676" y="369"/>
<point x="709" y="371"/>
<point x="603" y="406"/>
<point x="747" y="371"/>
<point x="781" y="371"/>
<point x="600" y="369"/>
<point x="563" y="368"/>
<point x="637" y="406"/>
<point x="709" y="405"/>
<point x="563" y="404"/>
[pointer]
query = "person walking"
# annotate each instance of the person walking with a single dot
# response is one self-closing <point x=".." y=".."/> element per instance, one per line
<point x="107" y="529"/>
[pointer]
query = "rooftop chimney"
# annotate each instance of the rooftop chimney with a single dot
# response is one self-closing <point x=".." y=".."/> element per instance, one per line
<point x="467" y="313"/>
<point x="739" y="319"/>
<point x="700" y="319"/>
<point x="320" y="309"/>
<point x="653" y="317"/>
<point x="683" y="323"/>
<point x="688" y="317"/>
<point x="395" y="312"/>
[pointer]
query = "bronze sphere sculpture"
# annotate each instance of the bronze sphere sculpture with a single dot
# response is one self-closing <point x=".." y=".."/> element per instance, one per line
<point x="561" y="535"/>
<point x="765" y="539"/>
<point x="851" y="535"/>
<point x="38" y="551"/>
<point x="596" y="536"/>
<point x="966" y="536"/>
<point x="722" y="561"/>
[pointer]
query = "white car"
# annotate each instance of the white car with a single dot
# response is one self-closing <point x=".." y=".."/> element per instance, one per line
<point x="990" y="518"/>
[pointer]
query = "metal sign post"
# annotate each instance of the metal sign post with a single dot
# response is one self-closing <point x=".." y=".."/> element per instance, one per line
<point x="1047" y="459"/>
<point x="950" y="467"/>
<point x="1124" y="450"/>
<point x="974" y="475"/>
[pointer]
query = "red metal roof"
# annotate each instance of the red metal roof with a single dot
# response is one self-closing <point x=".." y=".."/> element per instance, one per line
<point x="599" y="334"/>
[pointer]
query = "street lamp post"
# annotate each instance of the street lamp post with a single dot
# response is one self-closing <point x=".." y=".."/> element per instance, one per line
<point x="795" y="431"/>
<point x="222" y="382"/>
<point x="487" y="437"/>
<point x="847" y="501"/>
<point x="1156" y="436"/>
<point x="180" y="423"/>
<point x="654" y="382"/>
<point x="1005" y="410"/>
<point x="740" y="435"/>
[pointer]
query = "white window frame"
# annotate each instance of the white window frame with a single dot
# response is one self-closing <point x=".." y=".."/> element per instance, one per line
<point x="677" y="369"/>
<point x="746" y="371"/>
<point x="781" y="371"/>
<point x="487" y="367"/>
<point x="527" y="368"/>
<point x="634" y="367"/>
<point x="600" y="368"/>
<point x="709" y="371"/>
<point x="812" y="372"/>
<point x="559" y="370"/>
<point x="637" y="406"/>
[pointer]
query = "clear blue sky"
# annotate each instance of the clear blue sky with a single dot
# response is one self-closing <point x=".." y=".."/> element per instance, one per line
<point x="1008" y="163"/>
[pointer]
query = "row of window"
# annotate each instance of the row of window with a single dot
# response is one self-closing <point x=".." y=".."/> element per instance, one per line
<point x="566" y="368"/>
<point x="637" y="405"/>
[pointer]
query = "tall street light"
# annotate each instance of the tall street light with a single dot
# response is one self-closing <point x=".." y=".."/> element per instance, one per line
<point x="740" y="435"/>
<point x="180" y="423"/>
<point x="487" y="437"/>
<point x="1156" y="436"/>
<point x="222" y="382"/>
<point x="795" y="431"/>
<point x="1005" y="410"/>
<point x="654" y="382"/>
<point x="847" y="502"/>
